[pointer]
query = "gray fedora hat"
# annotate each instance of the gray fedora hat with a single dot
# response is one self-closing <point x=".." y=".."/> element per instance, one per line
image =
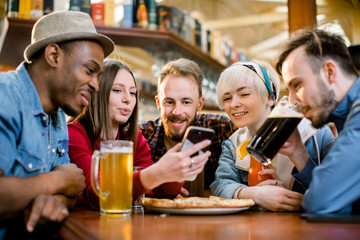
<point x="64" y="26"/>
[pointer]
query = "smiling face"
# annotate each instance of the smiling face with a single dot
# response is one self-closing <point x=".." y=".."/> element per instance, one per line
<point x="122" y="99"/>
<point x="178" y="100"/>
<point x="245" y="107"/>
<point x="243" y="95"/>
<point x="77" y="77"/>
<point x="310" y="89"/>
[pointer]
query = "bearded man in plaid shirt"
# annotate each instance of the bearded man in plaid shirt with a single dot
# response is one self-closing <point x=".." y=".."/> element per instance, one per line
<point x="179" y="99"/>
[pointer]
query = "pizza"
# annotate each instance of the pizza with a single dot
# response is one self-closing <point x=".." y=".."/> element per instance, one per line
<point x="196" y="202"/>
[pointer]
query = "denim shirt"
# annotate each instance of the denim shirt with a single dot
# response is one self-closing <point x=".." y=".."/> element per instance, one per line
<point x="228" y="178"/>
<point x="32" y="142"/>
<point x="335" y="187"/>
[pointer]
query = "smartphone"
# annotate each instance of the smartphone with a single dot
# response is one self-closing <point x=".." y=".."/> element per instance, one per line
<point x="195" y="135"/>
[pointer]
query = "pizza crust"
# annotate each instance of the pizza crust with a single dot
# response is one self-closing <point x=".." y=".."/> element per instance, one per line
<point x="156" y="202"/>
<point x="196" y="202"/>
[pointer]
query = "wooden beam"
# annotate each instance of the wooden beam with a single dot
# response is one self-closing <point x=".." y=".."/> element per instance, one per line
<point x="302" y="14"/>
<point x="267" y="44"/>
<point x="245" y="21"/>
<point x="334" y="3"/>
<point x="356" y="26"/>
<point x="272" y="2"/>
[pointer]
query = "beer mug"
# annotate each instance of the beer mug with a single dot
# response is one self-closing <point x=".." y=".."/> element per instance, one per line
<point x="115" y="183"/>
<point x="277" y="128"/>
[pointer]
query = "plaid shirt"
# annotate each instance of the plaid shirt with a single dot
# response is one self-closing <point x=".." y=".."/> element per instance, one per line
<point x="154" y="132"/>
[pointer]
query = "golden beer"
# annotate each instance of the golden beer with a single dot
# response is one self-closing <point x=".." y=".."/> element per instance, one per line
<point x="114" y="164"/>
<point x="116" y="181"/>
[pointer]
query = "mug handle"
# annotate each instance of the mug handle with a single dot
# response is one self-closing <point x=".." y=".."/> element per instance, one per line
<point x="94" y="175"/>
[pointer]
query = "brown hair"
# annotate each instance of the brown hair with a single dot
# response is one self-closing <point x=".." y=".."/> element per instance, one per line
<point x="95" y="117"/>
<point x="319" y="46"/>
<point x="182" y="67"/>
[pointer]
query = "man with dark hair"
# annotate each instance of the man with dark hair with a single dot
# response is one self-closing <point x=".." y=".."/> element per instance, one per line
<point x="61" y="70"/>
<point x="178" y="100"/>
<point x="317" y="69"/>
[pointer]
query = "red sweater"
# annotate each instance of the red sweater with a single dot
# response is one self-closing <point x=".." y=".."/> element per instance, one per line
<point x="80" y="153"/>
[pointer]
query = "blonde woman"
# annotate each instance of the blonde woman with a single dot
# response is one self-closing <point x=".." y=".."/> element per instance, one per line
<point x="247" y="91"/>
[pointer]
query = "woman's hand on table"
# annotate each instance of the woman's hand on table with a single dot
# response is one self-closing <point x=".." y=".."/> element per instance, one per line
<point x="273" y="198"/>
<point x="275" y="181"/>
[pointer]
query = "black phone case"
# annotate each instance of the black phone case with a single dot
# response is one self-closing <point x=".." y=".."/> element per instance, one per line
<point x="195" y="135"/>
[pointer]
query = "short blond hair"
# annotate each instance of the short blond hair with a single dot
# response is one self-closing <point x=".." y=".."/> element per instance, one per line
<point x="182" y="67"/>
<point x="231" y="76"/>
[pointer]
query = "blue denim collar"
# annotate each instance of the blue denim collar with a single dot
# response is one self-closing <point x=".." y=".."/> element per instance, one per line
<point x="31" y="95"/>
<point x="343" y="109"/>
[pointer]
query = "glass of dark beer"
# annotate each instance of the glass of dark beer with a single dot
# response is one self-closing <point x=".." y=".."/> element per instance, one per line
<point x="277" y="128"/>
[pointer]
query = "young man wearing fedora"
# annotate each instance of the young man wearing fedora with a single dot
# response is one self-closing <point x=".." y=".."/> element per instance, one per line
<point x="60" y="71"/>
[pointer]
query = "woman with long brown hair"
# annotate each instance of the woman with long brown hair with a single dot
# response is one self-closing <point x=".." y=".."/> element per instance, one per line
<point x="112" y="115"/>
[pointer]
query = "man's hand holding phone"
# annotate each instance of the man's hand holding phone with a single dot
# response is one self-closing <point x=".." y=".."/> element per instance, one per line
<point x="185" y="161"/>
<point x="194" y="135"/>
<point x="177" y="166"/>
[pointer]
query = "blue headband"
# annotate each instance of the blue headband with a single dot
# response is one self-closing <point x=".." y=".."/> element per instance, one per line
<point x="262" y="74"/>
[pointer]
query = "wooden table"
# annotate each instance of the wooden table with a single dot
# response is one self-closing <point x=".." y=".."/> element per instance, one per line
<point x="252" y="225"/>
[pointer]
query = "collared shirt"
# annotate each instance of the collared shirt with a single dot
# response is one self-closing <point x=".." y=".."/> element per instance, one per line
<point x="154" y="132"/>
<point x="335" y="185"/>
<point x="31" y="141"/>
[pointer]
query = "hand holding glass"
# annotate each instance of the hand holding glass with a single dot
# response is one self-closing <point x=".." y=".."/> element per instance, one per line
<point x="254" y="178"/>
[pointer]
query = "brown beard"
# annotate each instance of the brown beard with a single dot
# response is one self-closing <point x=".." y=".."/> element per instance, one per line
<point x="175" y="138"/>
<point x="326" y="105"/>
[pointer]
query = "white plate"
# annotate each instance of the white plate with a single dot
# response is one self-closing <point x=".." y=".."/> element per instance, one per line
<point x="198" y="211"/>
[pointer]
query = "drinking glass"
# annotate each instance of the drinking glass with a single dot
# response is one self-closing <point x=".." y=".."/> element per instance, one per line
<point x="254" y="178"/>
<point x="115" y="183"/>
<point x="278" y="127"/>
<point x="137" y="208"/>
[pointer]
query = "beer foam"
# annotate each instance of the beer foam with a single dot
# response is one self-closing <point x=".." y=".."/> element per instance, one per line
<point x="118" y="150"/>
<point x="284" y="112"/>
